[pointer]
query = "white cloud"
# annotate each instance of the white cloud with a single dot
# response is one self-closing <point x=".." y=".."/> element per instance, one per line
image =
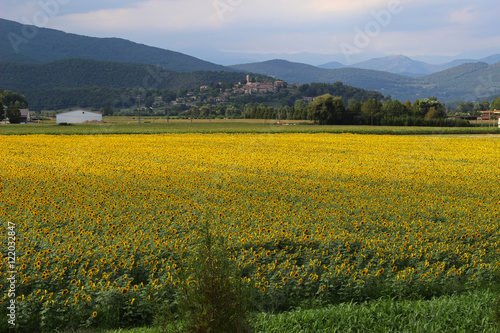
<point x="153" y="16"/>
<point x="281" y="26"/>
<point x="464" y="15"/>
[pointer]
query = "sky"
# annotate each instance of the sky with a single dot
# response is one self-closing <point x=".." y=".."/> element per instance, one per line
<point x="316" y="31"/>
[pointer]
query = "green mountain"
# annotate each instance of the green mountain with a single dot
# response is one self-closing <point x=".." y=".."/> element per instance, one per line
<point x="398" y="64"/>
<point x="49" y="45"/>
<point x="471" y="81"/>
<point x="74" y="73"/>
<point x="91" y="83"/>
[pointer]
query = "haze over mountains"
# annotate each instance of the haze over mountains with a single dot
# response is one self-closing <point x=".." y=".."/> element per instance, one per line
<point x="399" y="76"/>
<point x="404" y="65"/>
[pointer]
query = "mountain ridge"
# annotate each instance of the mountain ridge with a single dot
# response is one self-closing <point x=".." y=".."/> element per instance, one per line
<point x="401" y="64"/>
<point x="51" y="45"/>
<point x="470" y="81"/>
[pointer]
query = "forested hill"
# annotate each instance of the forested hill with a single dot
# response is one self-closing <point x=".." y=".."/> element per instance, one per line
<point x="74" y="73"/>
<point x="44" y="45"/>
<point x="384" y="82"/>
<point x="470" y="81"/>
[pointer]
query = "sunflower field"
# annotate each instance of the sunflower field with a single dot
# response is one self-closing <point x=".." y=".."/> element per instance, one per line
<point x="106" y="223"/>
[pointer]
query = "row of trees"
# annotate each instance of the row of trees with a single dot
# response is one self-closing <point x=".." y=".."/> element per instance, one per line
<point x="330" y="110"/>
<point x="475" y="108"/>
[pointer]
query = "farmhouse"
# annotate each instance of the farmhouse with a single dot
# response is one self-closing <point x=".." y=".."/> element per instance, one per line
<point x="25" y="115"/>
<point x="486" y="115"/>
<point x="78" y="116"/>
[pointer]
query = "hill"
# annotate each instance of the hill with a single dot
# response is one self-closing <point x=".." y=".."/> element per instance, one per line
<point x="397" y="64"/>
<point x="50" y="45"/>
<point x="73" y="73"/>
<point x="470" y="81"/>
<point x="91" y="83"/>
<point x="384" y="82"/>
<point x="332" y="65"/>
<point x="400" y="64"/>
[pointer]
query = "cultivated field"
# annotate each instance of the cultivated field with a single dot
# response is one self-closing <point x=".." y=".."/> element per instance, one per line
<point x="107" y="223"/>
<point x="129" y="125"/>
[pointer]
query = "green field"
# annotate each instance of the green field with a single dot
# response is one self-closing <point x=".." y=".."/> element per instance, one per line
<point x="150" y="125"/>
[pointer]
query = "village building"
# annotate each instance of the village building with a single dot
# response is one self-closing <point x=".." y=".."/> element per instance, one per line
<point x="258" y="87"/>
<point x="78" y="117"/>
<point x="487" y="115"/>
<point x="25" y="115"/>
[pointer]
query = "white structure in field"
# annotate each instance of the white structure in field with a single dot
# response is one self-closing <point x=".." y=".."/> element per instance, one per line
<point x="78" y="116"/>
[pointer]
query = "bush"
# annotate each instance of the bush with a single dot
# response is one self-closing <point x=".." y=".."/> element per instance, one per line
<point x="213" y="298"/>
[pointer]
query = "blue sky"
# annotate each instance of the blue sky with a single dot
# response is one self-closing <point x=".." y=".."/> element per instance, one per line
<point x="348" y="30"/>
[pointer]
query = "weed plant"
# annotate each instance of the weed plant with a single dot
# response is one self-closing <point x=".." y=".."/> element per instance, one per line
<point x="213" y="297"/>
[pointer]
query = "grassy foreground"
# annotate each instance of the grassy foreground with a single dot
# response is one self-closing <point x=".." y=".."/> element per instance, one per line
<point x="470" y="312"/>
<point x="121" y="125"/>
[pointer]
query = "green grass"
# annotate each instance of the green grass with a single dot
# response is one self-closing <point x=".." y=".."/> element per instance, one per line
<point x="469" y="312"/>
<point x="127" y="125"/>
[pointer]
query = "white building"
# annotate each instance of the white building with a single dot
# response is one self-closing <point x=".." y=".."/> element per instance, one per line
<point x="78" y="116"/>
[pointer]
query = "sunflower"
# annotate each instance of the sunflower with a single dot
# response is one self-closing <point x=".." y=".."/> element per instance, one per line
<point x="94" y="314"/>
<point x="64" y="292"/>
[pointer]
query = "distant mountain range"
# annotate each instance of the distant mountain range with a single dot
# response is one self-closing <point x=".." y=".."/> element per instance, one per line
<point x="404" y="65"/>
<point x="52" y="58"/>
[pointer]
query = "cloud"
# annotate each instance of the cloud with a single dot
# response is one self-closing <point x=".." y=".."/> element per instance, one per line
<point x="153" y="16"/>
<point x="463" y="15"/>
<point x="280" y="26"/>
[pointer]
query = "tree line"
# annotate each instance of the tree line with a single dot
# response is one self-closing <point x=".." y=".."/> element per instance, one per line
<point x="475" y="108"/>
<point x="330" y="110"/>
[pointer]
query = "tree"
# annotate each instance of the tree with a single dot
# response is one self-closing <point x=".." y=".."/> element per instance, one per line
<point x="11" y="98"/>
<point x="466" y="107"/>
<point x="326" y="110"/>
<point x="495" y="104"/>
<point x="394" y="108"/>
<point x="107" y="111"/>
<point x="432" y="114"/>
<point x="205" y="111"/>
<point x="427" y="104"/>
<point x="408" y="105"/>
<point x="14" y="115"/>
<point x="2" y="113"/>
<point x="370" y="111"/>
